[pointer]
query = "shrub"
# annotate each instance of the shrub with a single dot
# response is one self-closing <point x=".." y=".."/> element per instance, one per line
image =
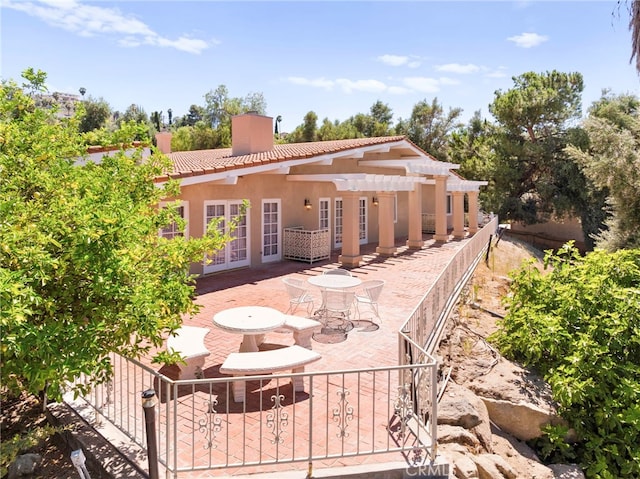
<point x="579" y="325"/>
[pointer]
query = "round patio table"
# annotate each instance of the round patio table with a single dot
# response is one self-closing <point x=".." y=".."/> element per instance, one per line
<point x="250" y="321"/>
<point x="334" y="281"/>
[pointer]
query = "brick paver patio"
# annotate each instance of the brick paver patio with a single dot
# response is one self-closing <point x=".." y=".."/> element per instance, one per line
<point x="408" y="275"/>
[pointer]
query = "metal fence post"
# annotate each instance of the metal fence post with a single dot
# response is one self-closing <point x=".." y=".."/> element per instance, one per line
<point x="149" y="401"/>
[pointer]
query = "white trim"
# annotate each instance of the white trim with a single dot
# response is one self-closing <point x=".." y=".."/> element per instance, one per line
<point x="423" y="166"/>
<point x="363" y="181"/>
<point x="454" y="183"/>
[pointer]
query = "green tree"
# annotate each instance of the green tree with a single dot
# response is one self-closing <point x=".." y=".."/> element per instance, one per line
<point x="611" y="161"/>
<point x="220" y="107"/>
<point x="429" y="127"/>
<point x="533" y="177"/>
<point x="195" y="114"/>
<point x="381" y="113"/>
<point x="308" y="131"/>
<point x="93" y="114"/>
<point x="156" y="119"/>
<point x="276" y="130"/>
<point x="83" y="269"/>
<point x="135" y="113"/>
<point x="181" y="139"/>
<point x="472" y="147"/>
<point x="578" y="325"/>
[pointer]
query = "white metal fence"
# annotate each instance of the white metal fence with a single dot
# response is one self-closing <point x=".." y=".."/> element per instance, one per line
<point x="361" y="412"/>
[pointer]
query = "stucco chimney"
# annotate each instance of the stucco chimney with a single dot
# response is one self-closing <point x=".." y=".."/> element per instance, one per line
<point x="251" y="133"/>
<point x="163" y="141"/>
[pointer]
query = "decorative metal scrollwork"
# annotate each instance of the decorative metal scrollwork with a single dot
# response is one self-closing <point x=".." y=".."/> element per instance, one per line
<point x="417" y="456"/>
<point x="211" y="424"/>
<point x="109" y="391"/>
<point x="343" y="413"/>
<point x="278" y="419"/>
<point x="403" y="406"/>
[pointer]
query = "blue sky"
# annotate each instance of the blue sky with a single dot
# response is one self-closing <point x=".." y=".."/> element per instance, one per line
<point x="336" y="58"/>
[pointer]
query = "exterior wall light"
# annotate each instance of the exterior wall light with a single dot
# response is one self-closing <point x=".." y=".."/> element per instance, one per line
<point x="375" y="201"/>
<point x="307" y="203"/>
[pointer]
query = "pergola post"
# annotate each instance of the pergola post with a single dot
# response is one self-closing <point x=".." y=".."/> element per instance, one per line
<point x="386" y="229"/>
<point x="350" y="229"/>
<point x="458" y="214"/>
<point x="414" y="241"/>
<point x="472" y="197"/>
<point x="441" y="209"/>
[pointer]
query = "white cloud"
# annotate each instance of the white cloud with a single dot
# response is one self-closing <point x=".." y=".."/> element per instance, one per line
<point x="90" y="20"/>
<point x="499" y="72"/>
<point x="458" y="68"/>
<point x="422" y="84"/>
<point x="371" y="86"/>
<point x="393" y="60"/>
<point x="348" y="86"/>
<point x="407" y="85"/>
<point x="317" y="82"/>
<point x="399" y="60"/>
<point x="399" y="90"/>
<point x="528" y="40"/>
<point x="448" y="81"/>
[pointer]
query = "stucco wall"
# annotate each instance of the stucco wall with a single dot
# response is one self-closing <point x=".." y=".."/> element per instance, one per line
<point x="552" y="234"/>
<point x="292" y="194"/>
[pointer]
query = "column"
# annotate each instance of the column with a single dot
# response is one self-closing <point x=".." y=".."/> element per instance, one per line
<point x="458" y="214"/>
<point x="350" y="229"/>
<point x="472" y="197"/>
<point x="386" y="228"/>
<point x="415" y="218"/>
<point x="441" y="209"/>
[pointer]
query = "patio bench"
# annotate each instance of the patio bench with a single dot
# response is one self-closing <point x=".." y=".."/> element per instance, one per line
<point x="264" y="362"/>
<point x="303" y="329"/>
<point x="189" y="343"/>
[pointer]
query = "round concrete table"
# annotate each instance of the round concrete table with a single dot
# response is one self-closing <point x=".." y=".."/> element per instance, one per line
<point x="250" y="321"/>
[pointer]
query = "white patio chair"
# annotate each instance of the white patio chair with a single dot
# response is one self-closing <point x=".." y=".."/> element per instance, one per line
<point x="298" y="294"/>
<point x="338" y="303"/>
<point x="371" y="290"/>
<point x="341" y="271"/>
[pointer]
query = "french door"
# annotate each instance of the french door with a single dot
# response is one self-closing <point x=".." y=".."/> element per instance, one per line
<point x="271" y="227"/>
<point x="236" y="253"/>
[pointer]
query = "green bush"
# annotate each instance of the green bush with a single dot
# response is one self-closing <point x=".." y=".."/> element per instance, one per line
<point x="579" y="325"/>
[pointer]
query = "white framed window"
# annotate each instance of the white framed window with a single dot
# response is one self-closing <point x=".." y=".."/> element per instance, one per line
<point x="172" y="230"/>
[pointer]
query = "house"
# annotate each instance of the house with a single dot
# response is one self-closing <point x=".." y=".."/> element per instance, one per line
<point x="351" y="192"/>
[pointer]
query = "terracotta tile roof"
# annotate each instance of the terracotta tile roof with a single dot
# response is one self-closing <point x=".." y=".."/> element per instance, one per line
<point x="201" y="162"/>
